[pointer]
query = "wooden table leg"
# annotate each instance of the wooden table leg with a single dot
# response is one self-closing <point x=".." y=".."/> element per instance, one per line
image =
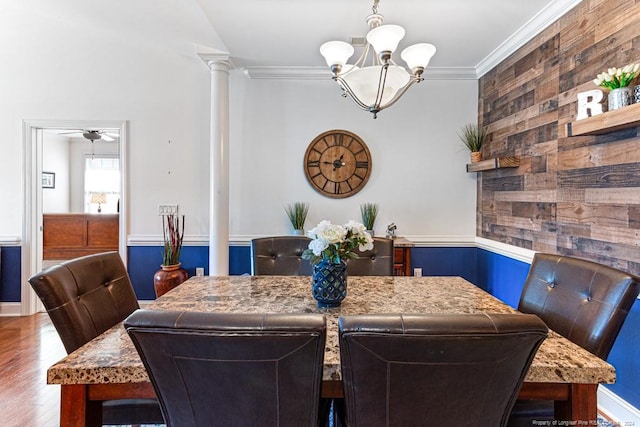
<point x="582" y="405"/>
<point x="76" y="410"/>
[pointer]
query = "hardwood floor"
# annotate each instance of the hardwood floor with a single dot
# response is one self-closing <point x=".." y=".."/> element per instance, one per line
<point x="28" y="346"/>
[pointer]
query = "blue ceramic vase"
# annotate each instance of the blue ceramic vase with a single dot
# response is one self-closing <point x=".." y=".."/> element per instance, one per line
<point x="329" y="283"/>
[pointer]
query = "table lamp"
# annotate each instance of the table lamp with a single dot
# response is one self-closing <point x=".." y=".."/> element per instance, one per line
<point x="98" y="198"/>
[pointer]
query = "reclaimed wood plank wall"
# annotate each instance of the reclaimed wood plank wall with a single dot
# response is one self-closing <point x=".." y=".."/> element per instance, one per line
<point x="578" y="196"/>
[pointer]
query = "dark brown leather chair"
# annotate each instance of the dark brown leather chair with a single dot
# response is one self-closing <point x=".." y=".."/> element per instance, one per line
<point x="84" y="297"/>
<point x="376" y="262"/>
<point x="435" y="370"/>
<point x="230" y="369"/>
<point x="583" y="301"/>
<point x="280" y="255"/>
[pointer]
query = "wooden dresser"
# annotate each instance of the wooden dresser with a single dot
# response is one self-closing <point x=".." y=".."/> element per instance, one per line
<point x="71" y="235"/>
<point x="402" y="256"/>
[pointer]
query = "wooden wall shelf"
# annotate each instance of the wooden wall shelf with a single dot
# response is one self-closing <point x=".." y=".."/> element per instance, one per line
<point x="623" y="118"/>
<point x="496" y="163"/>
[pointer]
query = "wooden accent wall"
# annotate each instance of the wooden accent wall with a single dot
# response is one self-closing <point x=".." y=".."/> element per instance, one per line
<point x="67" y="236"/>
<point x="578" y="196"/>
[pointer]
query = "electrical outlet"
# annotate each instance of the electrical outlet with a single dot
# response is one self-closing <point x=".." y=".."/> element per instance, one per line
<point x="417" y="272"/>
<point x="199" y="271"/>
<point x="167" y="209"/>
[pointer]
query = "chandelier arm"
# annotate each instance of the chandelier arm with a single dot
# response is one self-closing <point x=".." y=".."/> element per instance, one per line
<point x="382" y="80"/>
<point x="401" y="92"/>
<point x="346" y="88"/>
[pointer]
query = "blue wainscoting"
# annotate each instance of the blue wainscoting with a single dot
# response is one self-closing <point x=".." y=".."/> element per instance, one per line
<point x="501" y="276"/>
<point x="10" y="264"/>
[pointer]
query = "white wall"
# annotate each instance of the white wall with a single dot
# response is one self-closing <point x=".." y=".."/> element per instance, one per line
<point x="137" y="60"/>
<point x="418" y="176"/>
<point x="55" y="159"/>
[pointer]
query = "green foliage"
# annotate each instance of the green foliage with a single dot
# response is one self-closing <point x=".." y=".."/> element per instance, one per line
<point x="369" y="212"/>
<point x="473" y="136"/>
<point x="297" y="213"/>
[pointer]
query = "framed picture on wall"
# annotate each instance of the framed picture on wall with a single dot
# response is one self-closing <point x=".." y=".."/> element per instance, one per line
<point x="48" y="180"/>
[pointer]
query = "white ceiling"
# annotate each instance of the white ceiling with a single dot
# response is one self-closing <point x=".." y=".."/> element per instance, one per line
<point x="466" y="33"/>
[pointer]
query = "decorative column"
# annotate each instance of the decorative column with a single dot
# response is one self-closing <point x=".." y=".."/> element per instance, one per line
<point x="219" y="65"/>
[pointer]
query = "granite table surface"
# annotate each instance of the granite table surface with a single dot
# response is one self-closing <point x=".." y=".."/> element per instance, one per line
<point x="112" y="358"/>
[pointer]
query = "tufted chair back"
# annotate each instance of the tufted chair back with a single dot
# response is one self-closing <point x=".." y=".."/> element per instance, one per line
<point x="85" y="296"/>
<point x="376" y="262"/>
<point x="280" y="255"/>
<point x="232" y="369"/>
<point x="435" y="369"/>
<point x="584" y="301"/>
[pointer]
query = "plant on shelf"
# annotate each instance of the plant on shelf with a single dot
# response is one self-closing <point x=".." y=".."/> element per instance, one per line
<point x="369" y="212"/>
<point x="617" y="81"/>
<point x="297" y="213"/>
<point x="172" y="232"/>
<point x="473" y="136"/>
<point x="615" y="78"/>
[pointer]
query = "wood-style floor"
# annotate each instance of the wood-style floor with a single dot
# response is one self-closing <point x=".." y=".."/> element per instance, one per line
<point x="28" y="346"/>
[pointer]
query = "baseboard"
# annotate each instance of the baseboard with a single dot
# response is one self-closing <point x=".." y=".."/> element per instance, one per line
<point x="10" y="309"/>
<point x="616" y="408"/>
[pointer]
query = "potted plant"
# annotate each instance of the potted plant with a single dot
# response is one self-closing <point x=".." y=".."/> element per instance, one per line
<point x="170" y="274"/>
<point x="297" y="213"/>
<point x="369" y="212"/>
<point x="473" y="136"/>
<point x="617" y="80"/>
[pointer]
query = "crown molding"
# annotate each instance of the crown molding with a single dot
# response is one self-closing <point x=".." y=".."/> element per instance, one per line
<point x="450" y="73"/>
<point x="323" y="73"/>
<point x="288" y="73"/>
<point x="543" y="19"/>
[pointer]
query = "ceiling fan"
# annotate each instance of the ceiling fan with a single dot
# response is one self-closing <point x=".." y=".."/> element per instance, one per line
<point x="93" y="134"/>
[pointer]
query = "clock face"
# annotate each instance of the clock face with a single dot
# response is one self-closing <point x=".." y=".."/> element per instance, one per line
<point x="337" y="163"/>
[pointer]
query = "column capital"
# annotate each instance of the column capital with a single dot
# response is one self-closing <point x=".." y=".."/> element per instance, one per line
<point x="217" y="60"/>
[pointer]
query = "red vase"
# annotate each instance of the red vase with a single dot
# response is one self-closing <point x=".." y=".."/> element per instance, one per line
<point x="168" y="277"/>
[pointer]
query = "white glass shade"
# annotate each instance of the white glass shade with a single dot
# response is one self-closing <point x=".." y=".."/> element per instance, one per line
<point x="418" y="55"/>
<point x="385" y="37"/>
<point x="336" y="52"/>
<point x="364" y="83"/>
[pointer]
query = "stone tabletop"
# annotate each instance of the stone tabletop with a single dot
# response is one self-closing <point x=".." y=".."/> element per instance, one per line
<point x="112" y="358"/>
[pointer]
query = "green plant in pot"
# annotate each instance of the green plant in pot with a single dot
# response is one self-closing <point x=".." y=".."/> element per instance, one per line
<point x="170" y="274"/>
<point x="473" y="136"/>
<point x="297" y="213"/>
<point x="369" y="212"/>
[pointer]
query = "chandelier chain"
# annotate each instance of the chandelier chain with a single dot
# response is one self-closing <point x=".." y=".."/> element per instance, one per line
<point x="374" y="8"/>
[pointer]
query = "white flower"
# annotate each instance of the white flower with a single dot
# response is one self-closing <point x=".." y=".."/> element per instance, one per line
<point x="356" y="228"/>
<point x="317" y="246"/>
<point x="368" y="245"/>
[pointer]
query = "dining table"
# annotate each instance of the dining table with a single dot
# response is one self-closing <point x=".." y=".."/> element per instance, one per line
<point x="109" y="367"/>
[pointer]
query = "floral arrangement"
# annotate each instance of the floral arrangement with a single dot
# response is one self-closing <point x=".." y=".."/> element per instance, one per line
<point x="337" y="243"/>
<point x="173" y="232"/>
<point x="615" y="78"/>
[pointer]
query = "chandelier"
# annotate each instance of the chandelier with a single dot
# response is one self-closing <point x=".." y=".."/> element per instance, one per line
<point x="375" y="81"/>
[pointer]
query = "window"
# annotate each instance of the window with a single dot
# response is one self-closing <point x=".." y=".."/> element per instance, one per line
<point x="102" y="175"/>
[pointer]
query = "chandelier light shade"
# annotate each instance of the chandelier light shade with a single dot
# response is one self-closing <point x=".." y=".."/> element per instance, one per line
<point x="375" y="81"/>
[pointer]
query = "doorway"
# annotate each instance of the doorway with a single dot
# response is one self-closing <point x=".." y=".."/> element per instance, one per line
<point x="38" y="180"/>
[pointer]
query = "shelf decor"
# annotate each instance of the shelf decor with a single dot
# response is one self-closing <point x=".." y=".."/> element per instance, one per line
<point x="617" y="80"/>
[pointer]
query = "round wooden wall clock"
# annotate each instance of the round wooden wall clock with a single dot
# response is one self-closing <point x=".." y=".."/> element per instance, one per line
<point x="337" y="163"/>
